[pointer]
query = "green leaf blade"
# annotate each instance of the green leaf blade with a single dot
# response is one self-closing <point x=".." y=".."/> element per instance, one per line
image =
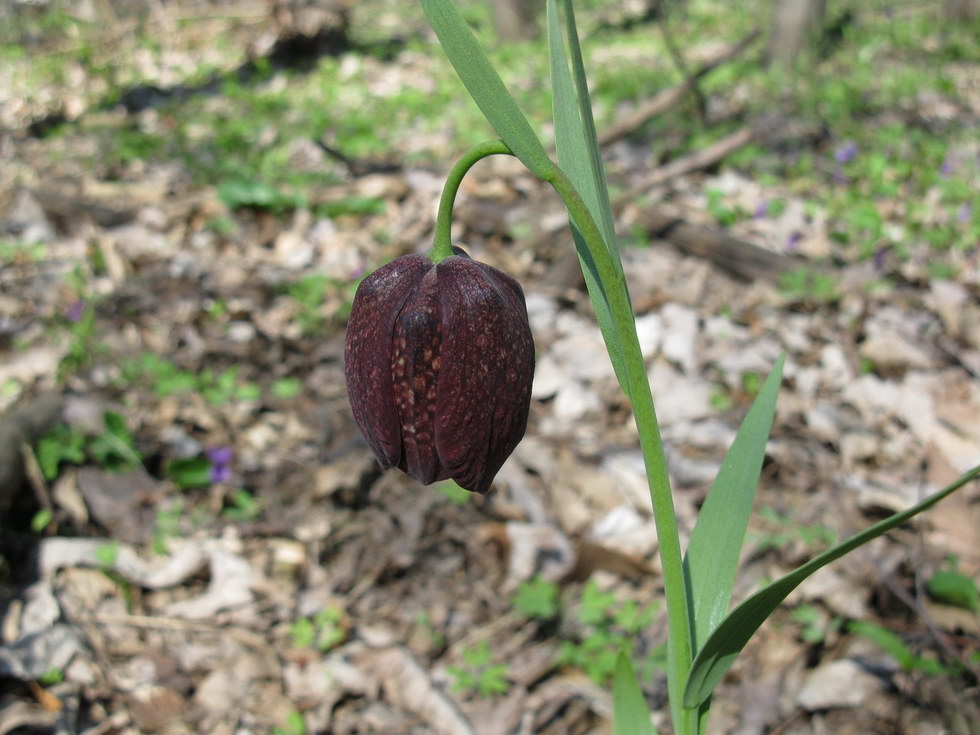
<point x="605" y="213"/>
<point x="630" y="713"/>
<point x="712" y="557"/>
<point x="575" y="143"/>
<point x="578" y="156"/>
<point x="727" y="640"/>
<point x="485" y="86"/>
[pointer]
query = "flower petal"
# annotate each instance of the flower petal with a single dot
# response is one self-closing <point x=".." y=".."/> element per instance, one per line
<point x="486" y="370"/>
<point x="367" y="353"/>
<point x="415" y="360"/>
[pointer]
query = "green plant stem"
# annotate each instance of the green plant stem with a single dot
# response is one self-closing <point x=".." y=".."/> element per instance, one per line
<point x="442" y="242"/>
<point x="680" y="647"/>
<point x="614" y="283"/>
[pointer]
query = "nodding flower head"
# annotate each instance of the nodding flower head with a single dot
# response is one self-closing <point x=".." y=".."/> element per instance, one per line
<point x="439" y="361"/>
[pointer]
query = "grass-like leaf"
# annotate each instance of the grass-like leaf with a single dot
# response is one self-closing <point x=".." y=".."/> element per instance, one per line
<point x="727" y="640"/>
<point x="486" y="87"/>
<point x="630" y="713"/>
<point x="605" y="213"/>
<point x="578" y="156"/>
<point x="712" y="555"/>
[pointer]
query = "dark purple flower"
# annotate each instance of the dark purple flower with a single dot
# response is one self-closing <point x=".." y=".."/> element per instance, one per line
<point x="846" y="153"/>
<point x="439" y="362"/>
<point x="793" y="243"/>
<point x="762" y="209"/>
<point x="964" y="213"/>
<point x="75" y="311"/>
<point x="881" y="256"/>
<point x="948" y="166"/>
<point x="220" y="463"/>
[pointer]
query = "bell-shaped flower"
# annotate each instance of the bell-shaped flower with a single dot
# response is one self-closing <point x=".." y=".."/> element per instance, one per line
<point x="439" y="361"/>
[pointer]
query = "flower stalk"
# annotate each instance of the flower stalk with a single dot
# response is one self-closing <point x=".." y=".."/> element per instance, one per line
<point x="637" y="389"/>
<point x="442" y="244"/>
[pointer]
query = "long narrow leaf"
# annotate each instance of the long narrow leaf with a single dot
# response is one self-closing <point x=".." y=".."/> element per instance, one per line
<point x="486" y="87"/>
<point x="605" y="215"/>
<point x="630" y="713"/>
<point x="574" y="146"/>
<point x="717" y="654"/>
<point x="716" y="542"/>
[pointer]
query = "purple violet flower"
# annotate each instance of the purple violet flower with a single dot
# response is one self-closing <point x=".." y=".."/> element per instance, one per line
<point x="75" y="311"/>
<point x="948" y="166"/>
<point x="762" y="209"/>
<point x="220" y="463"/>
<point x="966" y="211"/>
<point x="881" y="256"/>
<point x="794" y="241"/>
<point x="846" y="153"/>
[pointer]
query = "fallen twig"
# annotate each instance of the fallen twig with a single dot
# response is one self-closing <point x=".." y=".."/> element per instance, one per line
<point x="694" y="161"/>
<point x="738" y="257"/>
<point x="23" y="426"/>
<point x="667" y="98"/>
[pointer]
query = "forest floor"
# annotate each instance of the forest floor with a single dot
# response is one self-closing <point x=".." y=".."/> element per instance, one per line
<point x="195" y="537"/>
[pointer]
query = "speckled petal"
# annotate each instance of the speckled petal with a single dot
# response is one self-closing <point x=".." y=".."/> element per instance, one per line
<point x="487" y="366"/>
<point x="368" y="350"/>
<point x="415" y="363"/>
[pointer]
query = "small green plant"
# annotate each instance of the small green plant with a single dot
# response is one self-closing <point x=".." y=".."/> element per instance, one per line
<point x="201" y="470"/>
<point x="167" y="379"/>
<point x="720" y="399"/>
<point x="436" y="638"/>
<point x="611" y="630"/>
<point x="166" y="526"/>
<point x="286" y="388"/>
<point x="723" y="398"/>
<point x="114" y="449"/>
<point x="809" y="287"/>
<point x="107" y="553"/>
<point x="257" y="194"/>
<point x="351" y="206"/>
<point x="82" y="343"/>
<point x="814" y="625"/>
<point x="61" y="444"/>
<point x="537" y="598"/>
<point x="478" y="675"/>
<point x="952" y="587"/>
<point x="244" y="507"/>
<point x="41" y="520"/>
<point x="189" y="472"/>
<point x="782" y="530"/>
<point x="18" y="251"/>
<point x="310" y="293"/>
<point x="221" y="387"/>
<point x="9" y="388"/>
<point x="295" y="725"/>
<point x="897" y="649"/>
<point x="751" y="383"/>
<point x="723" y="214"/>
<point x="322" y="632"/>
<point x="51" y="677"/>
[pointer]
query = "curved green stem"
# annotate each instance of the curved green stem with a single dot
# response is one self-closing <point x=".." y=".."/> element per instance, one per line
<point x="680" y="647"/>
<point x="442" y="242"/>
<point x="613" y="282"/>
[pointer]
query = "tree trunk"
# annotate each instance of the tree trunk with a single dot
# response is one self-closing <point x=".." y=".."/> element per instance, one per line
<point x="795" y="25"/>
<point x="962" y="10"/>
<point x="514" y="20"/>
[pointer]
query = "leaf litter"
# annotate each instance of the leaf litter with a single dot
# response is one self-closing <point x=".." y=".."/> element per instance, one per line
<point x="166" y="607"/>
